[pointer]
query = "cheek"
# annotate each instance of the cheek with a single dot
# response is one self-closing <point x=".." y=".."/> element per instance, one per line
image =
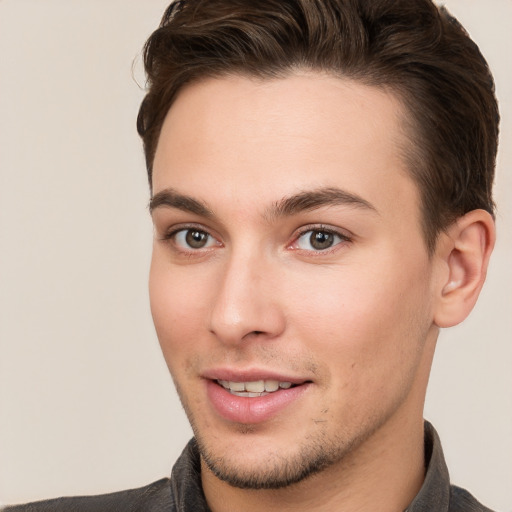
<point x="368" y="321"/>
<point x="175" y="306"/>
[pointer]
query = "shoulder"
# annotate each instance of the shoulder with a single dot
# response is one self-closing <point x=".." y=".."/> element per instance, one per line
<point x="462" y="501"/>
<point x="182" y="491"/>
<point x="155" y="497"/>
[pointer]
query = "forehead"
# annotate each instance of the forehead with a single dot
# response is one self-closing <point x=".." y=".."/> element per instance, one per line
<point x="238" y="139"/>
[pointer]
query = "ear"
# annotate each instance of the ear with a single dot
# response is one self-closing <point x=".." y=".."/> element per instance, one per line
<point x="464" y="250"/>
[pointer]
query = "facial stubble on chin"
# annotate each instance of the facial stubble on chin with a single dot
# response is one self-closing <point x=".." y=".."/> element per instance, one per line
<point x="317" y="452"/>
<point x="279" y="471"/>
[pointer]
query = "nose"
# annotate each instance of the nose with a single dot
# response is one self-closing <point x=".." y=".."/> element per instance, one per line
<point x="246" y="304"/>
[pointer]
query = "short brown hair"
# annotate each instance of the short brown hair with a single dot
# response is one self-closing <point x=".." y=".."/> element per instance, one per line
<point x="414" y="48"/>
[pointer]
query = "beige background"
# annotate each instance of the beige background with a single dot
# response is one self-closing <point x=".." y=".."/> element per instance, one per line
<point x="86" y="404"/>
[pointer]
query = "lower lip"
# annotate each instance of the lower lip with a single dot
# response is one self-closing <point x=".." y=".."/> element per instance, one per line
<point x="240" y="409"/>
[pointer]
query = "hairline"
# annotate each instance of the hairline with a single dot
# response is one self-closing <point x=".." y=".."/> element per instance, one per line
<point x="407" y="144"/>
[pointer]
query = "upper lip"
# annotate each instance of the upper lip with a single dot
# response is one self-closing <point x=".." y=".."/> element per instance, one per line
<point x="250" y="375"/>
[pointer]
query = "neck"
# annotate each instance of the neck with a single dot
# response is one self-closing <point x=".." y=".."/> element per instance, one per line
<point x="385" y="473"/>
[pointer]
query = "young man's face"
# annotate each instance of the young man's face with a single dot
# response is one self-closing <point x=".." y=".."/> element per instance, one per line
<point x="288" y="254"/>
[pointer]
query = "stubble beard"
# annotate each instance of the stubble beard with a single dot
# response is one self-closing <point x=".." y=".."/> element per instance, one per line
<point x="316" y="453"/>
<point x="278" y="471"/>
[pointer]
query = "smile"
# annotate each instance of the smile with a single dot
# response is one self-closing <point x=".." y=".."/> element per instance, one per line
<point x="251" y="400"/>
<point x="255" y="388"/>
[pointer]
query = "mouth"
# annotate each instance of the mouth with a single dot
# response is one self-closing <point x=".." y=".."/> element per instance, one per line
<point x="254" y="389"/>
<point x="250" y="399"/>
<point x="253" y="396"/>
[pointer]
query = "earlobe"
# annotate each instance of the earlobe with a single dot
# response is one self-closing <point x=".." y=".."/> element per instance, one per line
<point x="465" y="254"/>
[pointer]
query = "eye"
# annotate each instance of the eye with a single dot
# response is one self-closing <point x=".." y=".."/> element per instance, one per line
<point x="193" y="238"/>
<point x="318" y="240"/>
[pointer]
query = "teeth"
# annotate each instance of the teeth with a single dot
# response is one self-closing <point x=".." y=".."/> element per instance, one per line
<point x="257" y="386"/>
<point x="271" y="385"/>
<point x="237" y="386"/>
<point x="254" y="388"/>
<point x="246" y="394"/>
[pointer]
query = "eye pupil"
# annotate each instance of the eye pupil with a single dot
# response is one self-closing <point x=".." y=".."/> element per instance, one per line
<point x="196" y="239"/>
<point x="321" y="239"/>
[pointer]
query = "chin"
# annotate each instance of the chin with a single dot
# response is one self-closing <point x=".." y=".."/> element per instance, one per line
<point x="250" y="458"/>
<point x="264" y="467"/>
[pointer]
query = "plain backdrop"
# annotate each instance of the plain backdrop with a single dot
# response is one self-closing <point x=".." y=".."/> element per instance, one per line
<point x="86" y="403"/>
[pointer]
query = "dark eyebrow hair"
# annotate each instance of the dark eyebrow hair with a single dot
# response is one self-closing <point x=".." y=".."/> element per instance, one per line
<point x="173" y="199"/>
<point x="318" y="198"/>
<point x="302" y="201"/>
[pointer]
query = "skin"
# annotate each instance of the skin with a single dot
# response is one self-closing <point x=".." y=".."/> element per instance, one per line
<point x="358" y="321"/>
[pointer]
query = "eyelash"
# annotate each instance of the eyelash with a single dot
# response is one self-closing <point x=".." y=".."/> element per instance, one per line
<point x="170" y="236"/>
<point x="343" y="238"/>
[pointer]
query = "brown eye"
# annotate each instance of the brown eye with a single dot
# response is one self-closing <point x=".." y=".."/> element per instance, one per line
<point x="321" y="240"/>
<point x="196" y="239"/>
<point x="192" y="238"/>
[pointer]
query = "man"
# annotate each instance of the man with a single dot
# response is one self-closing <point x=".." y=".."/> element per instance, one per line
<point x="321" y="177"/>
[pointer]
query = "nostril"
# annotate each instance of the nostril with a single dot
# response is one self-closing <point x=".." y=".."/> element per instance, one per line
<point x="252" y="334"/>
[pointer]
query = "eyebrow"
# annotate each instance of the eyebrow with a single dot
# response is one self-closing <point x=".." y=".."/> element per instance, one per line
<point x="173" y="199"/>
<point x="302" y="201"/>
<point x="313" y="199"/>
